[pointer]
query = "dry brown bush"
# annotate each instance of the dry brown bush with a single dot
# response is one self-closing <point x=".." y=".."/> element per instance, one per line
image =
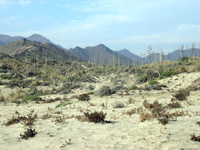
<point x="182" y="94"/>
<point x="96" y="117"/>
<point x="28" y="133"/>
<point x="145" y="116"/>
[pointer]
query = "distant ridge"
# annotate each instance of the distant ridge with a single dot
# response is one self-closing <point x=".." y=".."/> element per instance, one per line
<point x="130" y="55"/>
<point x="42" y="51"/>
<point x="5" y="39"/>
<point x="39" y="38"/>
<point x="101" y="54"/>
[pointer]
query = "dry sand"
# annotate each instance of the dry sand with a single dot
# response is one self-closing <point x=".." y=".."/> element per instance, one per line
<point x="125" y="131"/>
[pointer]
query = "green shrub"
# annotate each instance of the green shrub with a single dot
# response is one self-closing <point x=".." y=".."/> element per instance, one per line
<point x="133" y="87"/>
<point x="152" y="82"/>
<point x="90" y="93"/>
<point x="32" y="98"/>
<point x="168" y="74"/>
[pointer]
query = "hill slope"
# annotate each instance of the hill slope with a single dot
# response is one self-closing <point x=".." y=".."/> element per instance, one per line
<point x="39" y="38"/>
<point x="46" y="51"/>
<point x="130" y="55"/>
<point x="7" y="39"/>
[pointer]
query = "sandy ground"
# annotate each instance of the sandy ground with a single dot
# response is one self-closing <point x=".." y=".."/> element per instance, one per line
<point x="124" y="131"/>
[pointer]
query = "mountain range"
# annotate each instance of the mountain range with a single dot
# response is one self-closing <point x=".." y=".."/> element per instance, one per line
<point x="99" y="54"/>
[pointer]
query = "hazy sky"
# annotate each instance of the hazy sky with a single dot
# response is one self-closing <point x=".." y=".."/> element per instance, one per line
<point x="131" y="24"/>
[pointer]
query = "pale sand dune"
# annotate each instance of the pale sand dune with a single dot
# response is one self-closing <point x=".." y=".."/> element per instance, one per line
<point x="125" y="132"/>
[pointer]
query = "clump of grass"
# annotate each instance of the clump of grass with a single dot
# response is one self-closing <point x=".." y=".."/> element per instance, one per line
<point x="83" y="97"/>
<point x="153" y="82"/>
<point x="29" y="133"/>
<point x="133" y="87"/>
<point x="63" y="104"/>
<point x="96" y="117"/>
<point x="32" y="98"/>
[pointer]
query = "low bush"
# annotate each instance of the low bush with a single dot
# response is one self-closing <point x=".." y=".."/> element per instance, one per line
<point x="195" y="138"/>
<point x="28" y="134"/>
<point x="168" y="74"/>
<point x="104" y="91"/>
<point x="152" y="82"/>
<point x="133" y="87"/>
<point x="182" y="94"/>
<point x="32" y="98"/>
<point x="96" y="117"/>
<point x="83" y="97"/>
